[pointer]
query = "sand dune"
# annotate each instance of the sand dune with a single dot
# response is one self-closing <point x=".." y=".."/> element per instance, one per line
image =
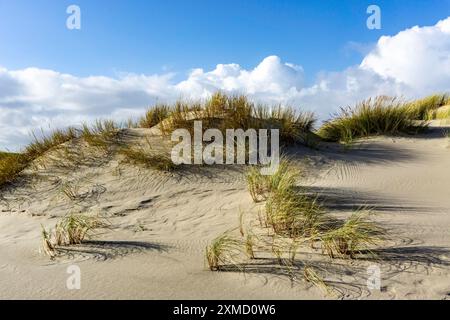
<point x="163" y="221"/>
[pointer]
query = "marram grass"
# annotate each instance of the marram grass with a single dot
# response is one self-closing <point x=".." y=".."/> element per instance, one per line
<point x="356" y="236"/>
<point x="221" y="252"/>
<point x="379" y="116"/>
<point x="72" y="229"/>
<point x="231" y="112"/>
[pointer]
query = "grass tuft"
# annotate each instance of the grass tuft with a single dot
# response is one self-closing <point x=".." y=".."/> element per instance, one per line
<point x="221" y="251"/>
<point x="154" y="116"/>
<point x="379" y="116"/>
<point x="145" y="158"/>
<point x="72" y="229"/>
<point x="356" y="236"/>
<point x="101" y="135"/>
<point x="231" y="112"/>
<point x="261" y="186"/>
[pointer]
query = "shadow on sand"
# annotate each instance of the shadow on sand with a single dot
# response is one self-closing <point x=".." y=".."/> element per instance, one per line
<point x="103" y="250"/>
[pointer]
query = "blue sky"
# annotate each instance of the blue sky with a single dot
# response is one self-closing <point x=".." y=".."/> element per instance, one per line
<point x="312" y="55"/>
<point x="149" y="36"/>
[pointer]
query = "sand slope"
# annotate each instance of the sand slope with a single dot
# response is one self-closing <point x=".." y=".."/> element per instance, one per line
<point x="162" y="223"/>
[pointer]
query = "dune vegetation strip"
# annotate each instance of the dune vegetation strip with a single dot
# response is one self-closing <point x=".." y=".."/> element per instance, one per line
<point x="220" y="111"/>
<point x="382" y="116"/>
<point x="232" y="112"/>
<point x="294" y="220"/>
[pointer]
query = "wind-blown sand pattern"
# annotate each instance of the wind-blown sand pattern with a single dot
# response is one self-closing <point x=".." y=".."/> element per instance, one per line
<point x="162" y="222"/>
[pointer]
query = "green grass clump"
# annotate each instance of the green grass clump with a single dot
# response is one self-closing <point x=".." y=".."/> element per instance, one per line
<point x="261" y="186"/>
<point x="72" y="229"/>
<point x="231" y="112"/>
<point x="10" y="167"/>
<point x="12" y="164"/>
<point x="4" y="155"/>
<point x="154" y="116"/>
<point x="379" y="116"/>
<point x="293" y="214"/>
<point x="427" y="108"/>
<point x="288" y="210"/>
<point x="355" y="236"/>
<point x="222" y="251"/>
<point x="139" y="156"/>
<point x="44" y="143"/>
<point x="101" y="135"/>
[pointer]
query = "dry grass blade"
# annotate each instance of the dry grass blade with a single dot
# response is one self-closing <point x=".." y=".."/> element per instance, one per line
<point x="249" y="246"/>
<point x="47" y="245"/>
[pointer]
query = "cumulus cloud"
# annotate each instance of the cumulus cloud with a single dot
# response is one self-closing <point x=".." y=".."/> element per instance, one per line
<point x="411" y="63"/>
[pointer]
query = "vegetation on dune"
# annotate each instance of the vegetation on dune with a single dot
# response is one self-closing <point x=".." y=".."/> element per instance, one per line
<point x="383" y="116"/>
<point x="294" y="219"/>
<point x="222" y="251"/>
<point x="356" y="236"/>
<point x="72" y="229"/>
<point x="261" y="186"/>
<point x="231" y="112"/>
<point x="427" y="108"/>
<point x="154" y="116"/>
<point x="147" y="159"/>
<point x="12" y="164"/>
<point x="378" y="116"/>
<point x="102" y="134"/>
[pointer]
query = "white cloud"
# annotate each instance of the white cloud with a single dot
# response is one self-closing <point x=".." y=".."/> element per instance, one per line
<point x="418" y="57"/>
<point x="414" y="62"/>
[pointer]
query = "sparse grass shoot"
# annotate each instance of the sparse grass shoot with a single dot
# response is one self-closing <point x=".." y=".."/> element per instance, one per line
<point x="147" y="159"/>
<point x="222" y="251"/>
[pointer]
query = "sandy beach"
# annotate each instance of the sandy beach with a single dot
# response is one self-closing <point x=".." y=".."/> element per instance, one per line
<point x="161" y="223"/>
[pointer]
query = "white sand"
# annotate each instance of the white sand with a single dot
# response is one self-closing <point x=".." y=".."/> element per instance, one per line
<point x="163" y="222"/>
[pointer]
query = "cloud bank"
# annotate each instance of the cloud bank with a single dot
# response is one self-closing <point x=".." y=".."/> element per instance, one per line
<point x="411" y="63"/>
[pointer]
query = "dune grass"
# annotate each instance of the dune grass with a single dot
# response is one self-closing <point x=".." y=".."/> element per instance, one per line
<point x="356" y="236"/>
<point x="145" y="158"/>
<point x="102" y="134"/>
<point x="441" y="113"/>
<point x="379" y="116"/>
<point x="261" y="186"/>
<point x="72" y="229"/>
<point x="288" y="210"/>
<point x="231" y="112"/>
<point x="292" y="214"/>
<point x="12" y="164"/>
<point x="47" y="244"/>
<point x="222" y="251"/>
<point x="427" y="108"/>
<point x="154" y="116"/>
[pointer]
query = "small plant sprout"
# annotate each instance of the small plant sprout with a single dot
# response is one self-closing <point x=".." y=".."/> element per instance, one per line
<point x="249" y="246"/>
<point x="47" y="245"/>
